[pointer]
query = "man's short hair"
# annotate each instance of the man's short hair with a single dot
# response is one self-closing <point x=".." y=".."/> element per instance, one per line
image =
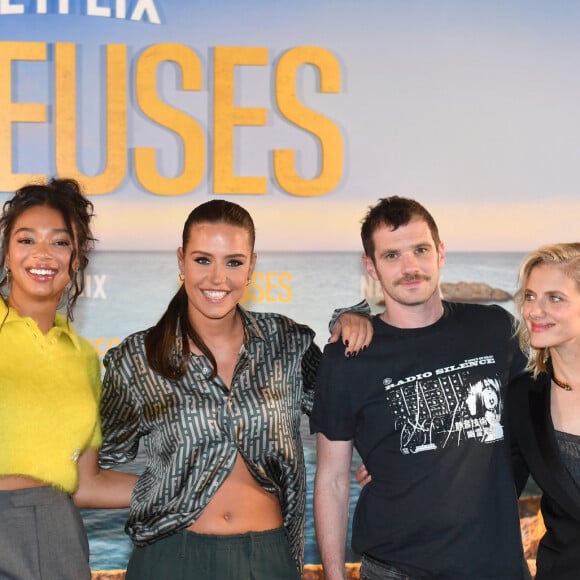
<point x="394" y="212"/>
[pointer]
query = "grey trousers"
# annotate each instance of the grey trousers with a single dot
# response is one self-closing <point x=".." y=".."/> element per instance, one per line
<point x="189" y="556"/>
<point x="42" y="536"/>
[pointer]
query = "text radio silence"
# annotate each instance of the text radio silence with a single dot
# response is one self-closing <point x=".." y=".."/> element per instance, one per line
<point x="219" y="148"/>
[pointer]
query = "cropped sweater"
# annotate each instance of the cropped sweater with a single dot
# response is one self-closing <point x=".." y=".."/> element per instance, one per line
<point x="49" y="399"/>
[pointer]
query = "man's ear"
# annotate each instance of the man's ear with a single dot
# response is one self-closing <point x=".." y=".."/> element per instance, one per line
<point x="370" y="267"/>
<point x="441" y="254"/>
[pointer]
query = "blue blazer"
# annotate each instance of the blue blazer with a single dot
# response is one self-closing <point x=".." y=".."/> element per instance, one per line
<point x="535" y="451"/>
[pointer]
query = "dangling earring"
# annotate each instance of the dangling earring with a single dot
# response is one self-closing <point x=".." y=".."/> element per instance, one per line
<point x="181" y="277"/>
<point x="8" y="275"/>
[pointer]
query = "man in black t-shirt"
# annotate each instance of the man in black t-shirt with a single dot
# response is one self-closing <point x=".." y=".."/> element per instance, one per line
<point x="423" y="407"/>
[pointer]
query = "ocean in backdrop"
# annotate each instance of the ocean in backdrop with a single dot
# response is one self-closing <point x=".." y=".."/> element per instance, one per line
<point x="128" y="291"/>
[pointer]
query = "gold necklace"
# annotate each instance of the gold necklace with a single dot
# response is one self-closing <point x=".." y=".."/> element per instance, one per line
<point x="562" y="384"/>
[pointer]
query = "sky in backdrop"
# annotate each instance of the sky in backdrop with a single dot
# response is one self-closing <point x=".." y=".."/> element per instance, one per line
<point x="471" y="107"/>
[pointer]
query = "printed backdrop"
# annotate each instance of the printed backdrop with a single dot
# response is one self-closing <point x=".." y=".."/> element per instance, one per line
<point x="304" y="112"/>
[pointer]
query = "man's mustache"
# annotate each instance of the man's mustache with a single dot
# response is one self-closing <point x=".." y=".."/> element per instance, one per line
<point x="412" y="278"/>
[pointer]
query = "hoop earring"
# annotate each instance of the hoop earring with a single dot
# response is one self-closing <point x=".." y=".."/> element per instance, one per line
<point x="181" y="277"/>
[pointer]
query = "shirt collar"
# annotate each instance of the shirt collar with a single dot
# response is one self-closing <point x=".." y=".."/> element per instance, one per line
<point x="252" y="332"/>
<point x="62" y="327"/>
<point x="251" y="327"/>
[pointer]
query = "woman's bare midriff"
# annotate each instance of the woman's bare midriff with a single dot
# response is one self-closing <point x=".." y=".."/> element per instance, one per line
<point x="13" y="482"/>
<point x="239" y="506"/>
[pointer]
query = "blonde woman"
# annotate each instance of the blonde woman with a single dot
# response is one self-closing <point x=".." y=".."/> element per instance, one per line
<point x="544" y="406"/>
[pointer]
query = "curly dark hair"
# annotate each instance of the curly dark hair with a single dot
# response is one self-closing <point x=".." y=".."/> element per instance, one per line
<point x="66" y="197"/>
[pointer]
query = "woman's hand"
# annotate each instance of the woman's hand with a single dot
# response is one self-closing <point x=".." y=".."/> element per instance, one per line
<point x="356" y="331"/>
<point x="362" y="475"/>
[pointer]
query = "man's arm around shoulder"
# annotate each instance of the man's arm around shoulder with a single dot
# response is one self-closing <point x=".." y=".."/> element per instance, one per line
<point x="331" y="503"/>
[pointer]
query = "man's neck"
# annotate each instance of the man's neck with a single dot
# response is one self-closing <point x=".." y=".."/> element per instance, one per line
<point x="413" y="316"/>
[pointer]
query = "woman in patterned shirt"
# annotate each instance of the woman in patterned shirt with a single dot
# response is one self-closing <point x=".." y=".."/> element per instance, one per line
<point x="215" y="394"/>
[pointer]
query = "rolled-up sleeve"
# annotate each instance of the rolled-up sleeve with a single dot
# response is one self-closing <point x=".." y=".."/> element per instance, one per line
<point x="120" y="417"/>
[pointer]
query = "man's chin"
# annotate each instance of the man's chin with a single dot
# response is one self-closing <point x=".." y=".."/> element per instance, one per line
<point x="414" y="299"/>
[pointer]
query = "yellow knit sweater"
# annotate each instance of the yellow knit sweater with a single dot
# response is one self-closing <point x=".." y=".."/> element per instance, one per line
<point x="49" y="399"/>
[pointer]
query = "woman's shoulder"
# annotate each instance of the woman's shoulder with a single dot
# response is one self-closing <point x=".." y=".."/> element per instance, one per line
<point x="519" y="388"/>
<point x="526" y="381"/>
<point x="268" y="322"/>
<point x="132" y="345"/>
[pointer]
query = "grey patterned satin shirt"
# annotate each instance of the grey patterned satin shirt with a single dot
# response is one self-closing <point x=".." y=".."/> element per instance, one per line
<point x="193" y="429"/>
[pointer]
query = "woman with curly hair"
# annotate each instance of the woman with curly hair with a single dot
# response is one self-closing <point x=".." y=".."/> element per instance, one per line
<point x="49" y="387"/>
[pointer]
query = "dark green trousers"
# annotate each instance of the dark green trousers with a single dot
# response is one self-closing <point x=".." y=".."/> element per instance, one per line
<point x="189" y="556"/>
